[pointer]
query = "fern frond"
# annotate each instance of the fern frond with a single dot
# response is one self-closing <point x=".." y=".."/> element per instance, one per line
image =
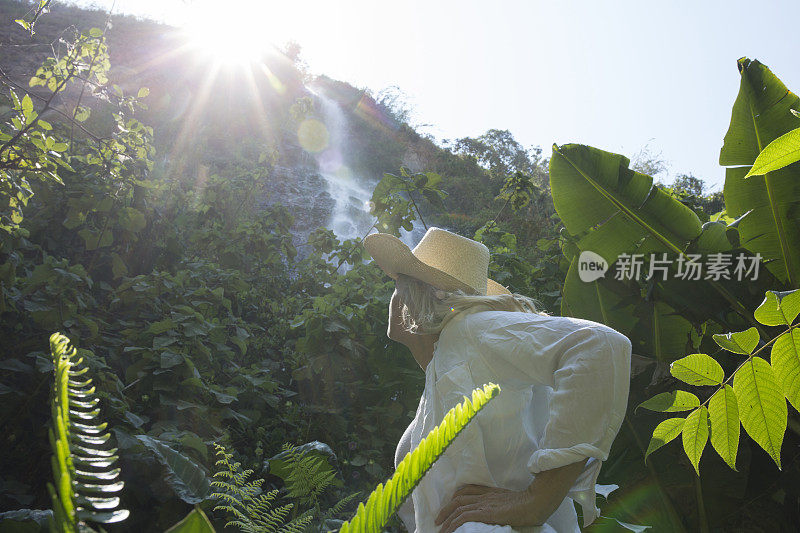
<point x="251" y="508"/>
<point x="385" y="500"/>
<point x="225" y="497"/>
<point x="76" y="439"/>
<point x="309" y="475"/>
<point x="340" y="505"/>
<point x="299" y="524"/>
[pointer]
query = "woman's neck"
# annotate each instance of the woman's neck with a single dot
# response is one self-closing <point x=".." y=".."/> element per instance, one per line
<point x="421" y="347"/>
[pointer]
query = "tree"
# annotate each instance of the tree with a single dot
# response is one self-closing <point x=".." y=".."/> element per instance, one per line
<point x="648" y="162"/>
<point x="688" y="184"/>
<point x="502" y="155"/>
<point x="394" y="103"/>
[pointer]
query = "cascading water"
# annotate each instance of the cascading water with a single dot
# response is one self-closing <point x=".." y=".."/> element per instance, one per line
<point x="350" y="217"/>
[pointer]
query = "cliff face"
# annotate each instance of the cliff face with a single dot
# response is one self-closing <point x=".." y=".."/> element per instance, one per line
<point x="211" y="117"/>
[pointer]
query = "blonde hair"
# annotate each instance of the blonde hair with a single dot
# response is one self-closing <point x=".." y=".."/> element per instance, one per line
<point x="427" y="309"/>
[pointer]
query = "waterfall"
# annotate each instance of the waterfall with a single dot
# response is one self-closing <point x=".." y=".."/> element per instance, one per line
<point x="350" y="217"/>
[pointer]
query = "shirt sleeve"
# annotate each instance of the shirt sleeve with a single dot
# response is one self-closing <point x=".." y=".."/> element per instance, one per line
<point x="587" y="366"/>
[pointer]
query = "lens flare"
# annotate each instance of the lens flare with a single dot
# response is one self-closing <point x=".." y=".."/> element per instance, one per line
<point x="313" y="135"/>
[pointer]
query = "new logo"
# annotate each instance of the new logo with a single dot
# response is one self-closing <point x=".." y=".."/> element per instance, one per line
<point x="591" y="266"/>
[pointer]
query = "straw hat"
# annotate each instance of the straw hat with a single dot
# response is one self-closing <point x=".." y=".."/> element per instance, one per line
<point x="443" y="259"/>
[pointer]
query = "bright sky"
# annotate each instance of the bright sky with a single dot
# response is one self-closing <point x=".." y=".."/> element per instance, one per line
<point x="618" y="75"/>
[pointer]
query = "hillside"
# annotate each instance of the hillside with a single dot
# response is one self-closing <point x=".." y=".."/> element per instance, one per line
<point x="193" y="227"/>
<point x="200" y="117"/>
<point x="191" y="265"/>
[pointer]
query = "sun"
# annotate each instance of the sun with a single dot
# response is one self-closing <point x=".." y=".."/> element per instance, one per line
<point x="235" y="32"/>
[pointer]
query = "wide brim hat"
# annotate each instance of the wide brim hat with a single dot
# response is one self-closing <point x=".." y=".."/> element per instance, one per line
<point x="443" y="259"/>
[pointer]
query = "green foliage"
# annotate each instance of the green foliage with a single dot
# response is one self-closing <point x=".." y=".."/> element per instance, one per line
<point x="743" y="342"/>
<point x="29" y="21"/>
<point x="612" y="210"/>
<point x="691" y="192"/>
<point x="517" y="190"/>
<point x="664" y="433"/>
<point x="203" y="323"/>
<point x="697" y="369"/>
<point x="507" y="264"/>
<point x="757" y="398"/>
<point x="34" y="150"/>
<point x="386" y="499"/>
<point x="195" y="522"/>
<point x="84" y="482"/>
<point x="243" y="499"/>
<point x="187" y="479"/>
<point x="501" y="154"/>
<point x="395" y="199"/>
<point x="762" y="114"/>
<point x="781" y="152"/>
<point x="309" y="475"/>
<point x="723" y="410"/>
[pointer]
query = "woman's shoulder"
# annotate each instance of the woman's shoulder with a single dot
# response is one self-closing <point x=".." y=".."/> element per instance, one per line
<point x="514" y="323"/>
<point x="489" y="319"/>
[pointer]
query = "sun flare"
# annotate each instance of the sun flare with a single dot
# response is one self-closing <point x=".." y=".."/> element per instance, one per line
<point x="235" y="34"/>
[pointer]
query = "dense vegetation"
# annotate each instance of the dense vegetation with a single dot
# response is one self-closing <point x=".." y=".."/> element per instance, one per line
<point x="146" y="224"/>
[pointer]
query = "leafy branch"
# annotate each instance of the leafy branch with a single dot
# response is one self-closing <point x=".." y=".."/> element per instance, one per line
<point x="393" y="202"/>
<point x="757" y="399"/>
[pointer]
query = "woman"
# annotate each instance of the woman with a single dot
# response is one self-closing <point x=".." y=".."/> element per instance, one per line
<point x="537" y="447"/>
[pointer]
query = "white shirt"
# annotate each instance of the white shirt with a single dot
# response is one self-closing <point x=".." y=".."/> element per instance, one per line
<point x="564" y="390"/>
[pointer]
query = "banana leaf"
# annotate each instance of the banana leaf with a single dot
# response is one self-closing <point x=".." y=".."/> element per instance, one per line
<point x="612" y="210"/>
<point x="762" y="113"/>
<point x="615" y="209"/>
<point x="600" y="300"/>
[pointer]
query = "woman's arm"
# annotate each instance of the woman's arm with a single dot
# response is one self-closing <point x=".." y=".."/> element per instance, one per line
<point x="530" y="507"/>
<point x="587" y="368"/>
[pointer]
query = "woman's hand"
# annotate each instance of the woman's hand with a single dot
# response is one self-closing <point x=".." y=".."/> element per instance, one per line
<point x="529" y="507"/>
<point x="487" y="505"/>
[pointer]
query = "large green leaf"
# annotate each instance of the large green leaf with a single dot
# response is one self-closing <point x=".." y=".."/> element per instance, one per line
<point x="671" y="402"/>
<point x="601" y="300"/>
<point x="664" y="433"/>
<point x="743" y="342"/>
<point x="779" y="308"/>
<point x="781" y="152"/>
<point x="786" y="364"/>
<point x="613" y="208"/>
<point x="661" y="331"/>
<point x="724" y="413"/>
<point x="654" y="327"/>
<point x="695" y="436"/>
<point x="189" y="481"/>
<point x="762" y="406"/>
<point x="761" y="114"/>
<point x="697" y="369"/>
